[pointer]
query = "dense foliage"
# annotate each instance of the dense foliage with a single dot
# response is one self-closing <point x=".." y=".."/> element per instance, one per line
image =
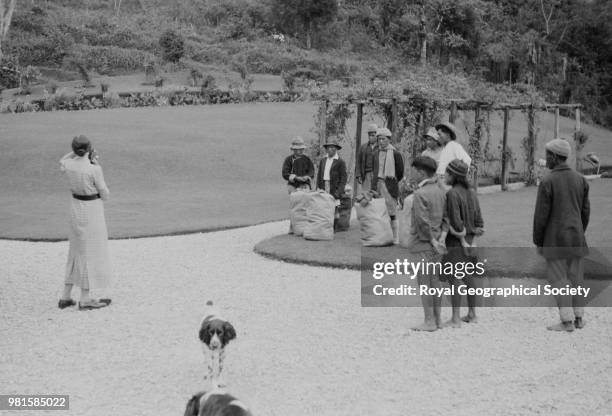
<point x="562" y="48"/>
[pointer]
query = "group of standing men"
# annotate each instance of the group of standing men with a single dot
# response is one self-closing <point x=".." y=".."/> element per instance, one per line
<point x="446" y="217"/>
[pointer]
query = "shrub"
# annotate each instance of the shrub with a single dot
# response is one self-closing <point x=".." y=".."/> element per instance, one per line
<point x="151" y="72"/>
<point x="195" y="75"/>
<point x="52" y="88"/>
<point x="9" y="73"/>
<point x="209" y="83"/>
<point x="172" y="45"/>
<point x="288" y="80"/>
<point x="581" y="138"/>
<point x="40" y="50"/>
<point x="307" y="73"/>
<point x="240" y="67"/>
<point x="111" y="100"/>
<point x="107" y="59"/>
<point x="28" y="76"/>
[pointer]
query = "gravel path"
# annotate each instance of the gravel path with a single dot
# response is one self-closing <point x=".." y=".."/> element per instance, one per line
<point x="305" y="346"/>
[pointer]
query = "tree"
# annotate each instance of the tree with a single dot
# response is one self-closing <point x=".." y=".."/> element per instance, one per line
<point x="172" y="45"/>
<point x="303" y="15"/>
<point x="7" y="7"/>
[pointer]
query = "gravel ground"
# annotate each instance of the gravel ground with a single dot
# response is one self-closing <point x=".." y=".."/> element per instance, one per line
<point x="305" y="346"/>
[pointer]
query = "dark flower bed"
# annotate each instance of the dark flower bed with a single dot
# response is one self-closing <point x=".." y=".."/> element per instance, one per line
<point x="147" y="99"/>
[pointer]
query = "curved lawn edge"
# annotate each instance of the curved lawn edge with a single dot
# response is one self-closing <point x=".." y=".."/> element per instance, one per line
<point x="345" y="253"/>
<point x="154" y="235"/>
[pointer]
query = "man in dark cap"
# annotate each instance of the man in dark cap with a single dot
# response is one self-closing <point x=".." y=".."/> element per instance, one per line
<point x="332" y="175"/>
<point x="365" y="159"/>
<point x="425" y="228"/>
<point x="560" y="220"/>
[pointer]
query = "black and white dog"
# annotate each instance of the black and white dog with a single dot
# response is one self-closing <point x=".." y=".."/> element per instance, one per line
<point x="215" y="333"/>
<point x="216" y="403"/>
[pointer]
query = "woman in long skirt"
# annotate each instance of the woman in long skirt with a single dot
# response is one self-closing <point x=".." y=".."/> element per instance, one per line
<point x="88" y="265"/>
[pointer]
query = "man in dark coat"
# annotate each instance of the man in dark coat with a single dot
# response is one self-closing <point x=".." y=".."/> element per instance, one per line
<point x="332" y="174"/>
<point x="560" y="221"/>
<point x="365" y="159"/>
<point x="298" y="169"/>
<point x="388" y="168"/>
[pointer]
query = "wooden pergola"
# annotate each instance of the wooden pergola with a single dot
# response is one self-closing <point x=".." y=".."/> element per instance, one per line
<point x="454" y="107"/>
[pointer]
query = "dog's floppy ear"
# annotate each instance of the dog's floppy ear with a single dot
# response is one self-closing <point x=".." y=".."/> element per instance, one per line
<point x="204" y="333"/>
<point x="193" y="405"/>
<point x="229" y="333"/>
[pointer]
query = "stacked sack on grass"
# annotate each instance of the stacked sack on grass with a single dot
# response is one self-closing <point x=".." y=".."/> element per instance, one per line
<point x="314" y="216"/>
<point x="374" y="221"/>
<point x="320" y="211"/>
<point x="298" y="202"/>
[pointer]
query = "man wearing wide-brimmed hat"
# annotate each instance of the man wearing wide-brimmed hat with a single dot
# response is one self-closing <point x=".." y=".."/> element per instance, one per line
<point x="560" y="220"/>
<point x="298" y="169"/>
<point x="451" y="149"/>
<point x="365" y="159"/>
<point x="434" y="145"/>
<point x="388" y="168"/>
<point x="332" y="175"/>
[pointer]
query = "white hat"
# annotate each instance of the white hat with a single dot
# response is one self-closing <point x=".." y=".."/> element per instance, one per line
<point x="559" y="146"/>
<point x="383" y="131"/>
<point x="297" y="143"/>
<point x="433" y="133"/>
<point x="372" y="128"/>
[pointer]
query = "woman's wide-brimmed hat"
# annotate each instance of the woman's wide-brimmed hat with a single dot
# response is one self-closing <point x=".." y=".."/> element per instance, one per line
<point x="458" y="168"/>
<point x="433" y="133"/>
<point x="448" y="127"/>
<point x="298" y="143"/>
<point x="333" y="142"/>
<point x="81" y="143"/>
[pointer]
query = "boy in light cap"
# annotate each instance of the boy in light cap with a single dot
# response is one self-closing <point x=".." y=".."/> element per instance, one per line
<point x="364" y="160"/>
<point x="560" y="220"/>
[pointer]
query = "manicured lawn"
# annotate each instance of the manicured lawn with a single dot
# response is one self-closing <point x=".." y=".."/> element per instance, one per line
<point x="169" y="169"/>
<point x="176" y="169"/>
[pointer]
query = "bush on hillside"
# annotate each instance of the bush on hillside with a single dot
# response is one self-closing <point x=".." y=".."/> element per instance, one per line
<point x="9" y="73"/>
<point x="172" y="46"/>
<point x="45" y="50"/>
<point x="109" y="60"/>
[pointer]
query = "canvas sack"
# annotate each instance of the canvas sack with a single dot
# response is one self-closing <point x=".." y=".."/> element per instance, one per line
<point x="320" y="212"/>
<point x="374" y="223"/>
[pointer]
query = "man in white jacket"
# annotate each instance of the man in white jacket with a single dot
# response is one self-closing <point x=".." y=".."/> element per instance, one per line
<point x="451" y="149"/>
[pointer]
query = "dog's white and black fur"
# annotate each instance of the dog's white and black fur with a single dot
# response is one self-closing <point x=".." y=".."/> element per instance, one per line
<point x="215" y="333"/>
<point x="216" y="402"/>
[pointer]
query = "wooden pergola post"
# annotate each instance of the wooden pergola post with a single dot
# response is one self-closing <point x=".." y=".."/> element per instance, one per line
<point x="419" y="131"/>
<point x="577" y="143"/>
<point x="357" y="146"/>
<point x="531" y="140"/>
<point x="323" y="131"/>
<point x="453" y="111"/>
<point x="504" y="155"/>
<point x="393" y="121"/>
<point x="476" y="139"/>
<point x="556" y="123"/>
